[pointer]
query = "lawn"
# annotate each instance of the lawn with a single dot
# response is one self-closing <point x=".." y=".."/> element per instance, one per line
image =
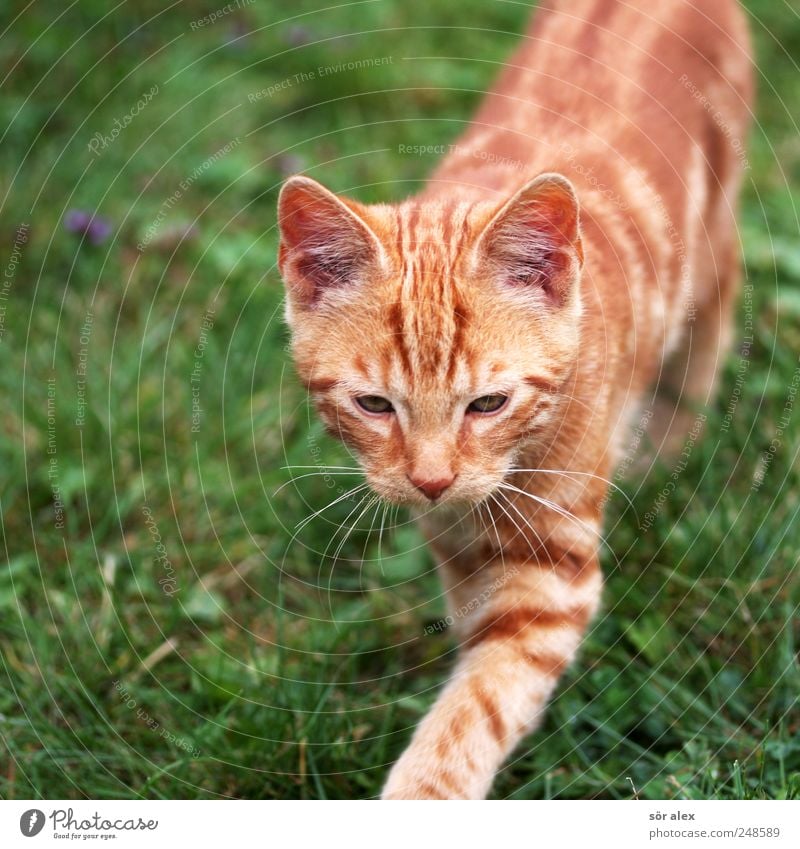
<point x="169" y="625"/>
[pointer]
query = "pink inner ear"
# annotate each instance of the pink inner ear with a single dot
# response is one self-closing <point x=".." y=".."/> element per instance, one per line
<point x="534" y="240"/>
<point x="323" y="243"/>
<point x="539" y="271"/>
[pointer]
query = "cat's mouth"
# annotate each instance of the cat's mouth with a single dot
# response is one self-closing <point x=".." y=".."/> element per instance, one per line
<point x="458" y="492"/>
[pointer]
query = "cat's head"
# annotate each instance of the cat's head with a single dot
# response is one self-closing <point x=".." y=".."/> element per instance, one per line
<point x="434" y="336"/>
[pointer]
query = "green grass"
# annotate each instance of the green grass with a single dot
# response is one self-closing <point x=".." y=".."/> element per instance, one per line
<point x="271" y="671"/>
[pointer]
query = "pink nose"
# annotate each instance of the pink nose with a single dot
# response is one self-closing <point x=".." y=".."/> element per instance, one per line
<point x="432" y="488"/>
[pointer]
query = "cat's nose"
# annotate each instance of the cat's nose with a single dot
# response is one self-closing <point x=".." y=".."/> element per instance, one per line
<point x="433" y="488"/>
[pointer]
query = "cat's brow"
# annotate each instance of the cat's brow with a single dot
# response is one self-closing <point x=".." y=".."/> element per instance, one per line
<point x="321" y="384"/>
<point x="543" y="383"/>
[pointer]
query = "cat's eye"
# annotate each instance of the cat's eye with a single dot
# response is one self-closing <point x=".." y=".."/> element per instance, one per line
<point x="374" y="404"/>
<point x="487" y="404"/>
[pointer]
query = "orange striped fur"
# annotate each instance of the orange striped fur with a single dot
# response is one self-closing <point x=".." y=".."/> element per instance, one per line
<point x="577" y="248"/>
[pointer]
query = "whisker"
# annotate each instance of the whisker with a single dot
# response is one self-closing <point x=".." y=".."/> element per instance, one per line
<point x="331" y="541"/>
<point x="497" y="536"/>
<point x="546" y="502"/>
<point x="373" y="500"/>
<point x="342" y="497"/>
<point x="308" y="475"/>
<point x="366" y="497"/>
<point x="569" y="472"/>
<point x="305" y="522"/>
<point x="510" y="518"/>
<point x="322" y="467"/>
<point x="596" y="532"/>
<point x="376" y="501"/>
<point x="380" y="535"/>
<point x="474" y="512"/>
<point x="522" y="518"/>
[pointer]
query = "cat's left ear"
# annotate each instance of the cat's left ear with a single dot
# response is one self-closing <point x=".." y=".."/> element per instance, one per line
<point x="533" y="241"/>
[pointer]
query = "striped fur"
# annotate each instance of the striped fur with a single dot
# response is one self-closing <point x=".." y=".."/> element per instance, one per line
<point x="576" y="249"/>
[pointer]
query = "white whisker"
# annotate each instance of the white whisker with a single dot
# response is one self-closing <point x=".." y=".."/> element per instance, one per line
<point x="510" y="518"/>
<point x="497" y="536"/>
<point x="522" y="518"/>
<point x="567" y="473"/>
<point x="380" y="534"/>
<point x="546" y="502"/>
<point x="322" y="467"/>
<point x="366" y="497"/>
<point x="376" y="501"/>
<point x="308" y="475"/>
<point x="331" y="541"/>
<point x="342" y="497"/>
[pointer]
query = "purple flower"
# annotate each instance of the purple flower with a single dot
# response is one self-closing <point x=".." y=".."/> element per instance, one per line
<point x="238" y="33"/>
<point x="290" y="163"/>
<point x="298" y="35"/>
<point x="88" y="224"/>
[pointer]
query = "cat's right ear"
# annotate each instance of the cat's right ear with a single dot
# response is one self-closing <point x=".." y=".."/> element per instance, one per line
<point x="326" y="246"/>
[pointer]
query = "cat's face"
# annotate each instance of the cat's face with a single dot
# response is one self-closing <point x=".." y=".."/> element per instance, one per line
<point x="434" y="339"/>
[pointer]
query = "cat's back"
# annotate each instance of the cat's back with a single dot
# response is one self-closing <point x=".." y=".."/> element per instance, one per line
<point x="627" y="59"/>
<point x="639" y="80"/>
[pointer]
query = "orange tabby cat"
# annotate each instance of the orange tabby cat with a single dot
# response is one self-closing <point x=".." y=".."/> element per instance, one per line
<point x="485" y="345"/>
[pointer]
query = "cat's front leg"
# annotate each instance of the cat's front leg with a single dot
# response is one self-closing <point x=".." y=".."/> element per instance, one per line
<point x="516" y="644"/>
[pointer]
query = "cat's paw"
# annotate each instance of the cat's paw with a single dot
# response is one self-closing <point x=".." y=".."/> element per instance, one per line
<point x="412" y="788"/>
<point x="413" y="779"/>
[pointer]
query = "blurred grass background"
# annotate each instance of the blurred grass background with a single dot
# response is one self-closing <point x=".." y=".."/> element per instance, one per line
<point x="165" y="631"/>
